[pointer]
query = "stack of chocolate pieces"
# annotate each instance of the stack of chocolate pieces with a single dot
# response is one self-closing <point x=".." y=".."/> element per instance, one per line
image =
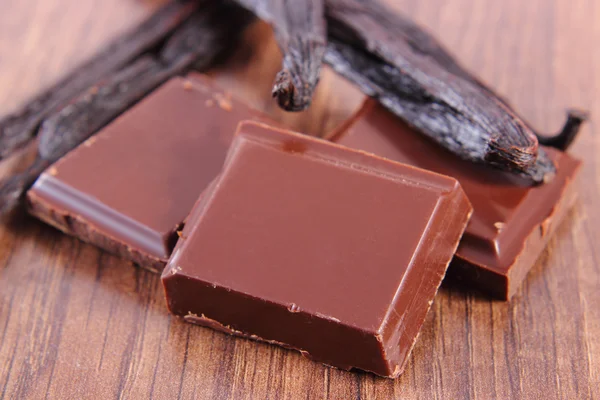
<point x="335" y="248"/>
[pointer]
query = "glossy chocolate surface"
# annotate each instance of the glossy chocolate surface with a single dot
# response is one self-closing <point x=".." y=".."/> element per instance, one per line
<point x="317" y="247"/>
<point x="512" y="221"/>
<point x="129" y="188"/>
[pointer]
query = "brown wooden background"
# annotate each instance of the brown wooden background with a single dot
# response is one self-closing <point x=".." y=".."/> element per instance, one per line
<point x="77" y="323"/>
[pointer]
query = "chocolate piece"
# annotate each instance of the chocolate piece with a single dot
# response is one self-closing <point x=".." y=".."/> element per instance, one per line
<point x="318" y="248"/>
<point x="129" y="188"/>
<point x="511" y="223"/>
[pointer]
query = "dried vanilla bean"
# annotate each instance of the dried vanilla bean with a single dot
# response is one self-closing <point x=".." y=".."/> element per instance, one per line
<point x="19" y="128"/>
<point x="300" y="30"/>
<point x="374" y="47"/>
<point x="199" y="42"/>
<point x="448" y="126"/>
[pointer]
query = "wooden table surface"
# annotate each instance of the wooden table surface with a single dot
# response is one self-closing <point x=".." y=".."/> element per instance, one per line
<point x="77" y="323"/>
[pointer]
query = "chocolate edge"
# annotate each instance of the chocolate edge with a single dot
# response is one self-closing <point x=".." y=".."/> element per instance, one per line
<point x="503" y="286"/>
<point x="150" y="248"/>
<point x="456" y="199"/>
<point x="386" y="168"/>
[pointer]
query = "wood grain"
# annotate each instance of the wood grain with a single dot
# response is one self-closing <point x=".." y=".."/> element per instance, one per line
<point x="76" y="323"/>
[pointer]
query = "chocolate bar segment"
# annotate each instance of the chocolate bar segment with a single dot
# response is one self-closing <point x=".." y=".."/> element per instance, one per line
<point x="512" y="221"/>
<point x="129" y="188"/>
<point x="316" y="247"/>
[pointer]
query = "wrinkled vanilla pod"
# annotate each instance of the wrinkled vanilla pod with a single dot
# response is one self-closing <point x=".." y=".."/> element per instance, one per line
<point x="373" y="47"/>
<point x="199" y="42"/>
<point x="300" y="30"/>
<point x="449" y="127"/>
<point x="19" y="128"/>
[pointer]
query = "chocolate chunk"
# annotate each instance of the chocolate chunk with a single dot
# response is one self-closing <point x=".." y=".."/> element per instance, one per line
<point x="318" y="248"/>
<point x="129" y="188"/>
<point x="512" y="222"/>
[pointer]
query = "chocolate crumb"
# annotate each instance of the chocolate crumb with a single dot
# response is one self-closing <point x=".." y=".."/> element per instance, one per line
<point x="175" y="270"/>
<point x="293" y="308"/>
<point x="89" y="142"/>
<point x="224" y="102"/>
<point x="225" y="105"/>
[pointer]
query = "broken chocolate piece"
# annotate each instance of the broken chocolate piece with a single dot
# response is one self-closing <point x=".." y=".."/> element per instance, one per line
<point x="129" y="188"/>
<point x="318" y="248"/>
<point x="19" y="128"/>
<point x="300" y="30"/>
<point x="512" y="222"/>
